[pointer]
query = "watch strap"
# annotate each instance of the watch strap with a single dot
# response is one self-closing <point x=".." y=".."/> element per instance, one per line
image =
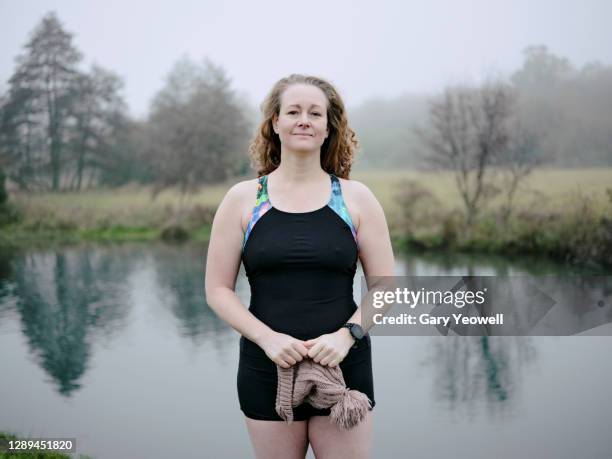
<point x="350" y="325"/>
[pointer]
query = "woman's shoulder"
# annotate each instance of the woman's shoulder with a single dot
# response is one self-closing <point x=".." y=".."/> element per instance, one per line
<point x="353" y="193"/>
<point x="358" y="198"/>
<point x="243" y="189"/>
<point x="356" y="190"/>
<point x="241" y="197"/>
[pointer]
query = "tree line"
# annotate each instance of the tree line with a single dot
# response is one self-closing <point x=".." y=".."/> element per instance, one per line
<point x="63" y="129"/>
<point x="493" y="135"/>
<point x="567" y="108"/>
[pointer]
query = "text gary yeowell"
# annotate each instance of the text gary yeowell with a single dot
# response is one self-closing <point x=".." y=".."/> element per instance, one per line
<point x="427" y="319"/>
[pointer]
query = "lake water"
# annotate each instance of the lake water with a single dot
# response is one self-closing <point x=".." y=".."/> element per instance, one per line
<point x="114" y="345"/>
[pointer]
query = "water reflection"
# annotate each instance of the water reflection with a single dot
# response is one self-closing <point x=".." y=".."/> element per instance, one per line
<point x="68" y="298"/>
<point x="61" y="297"/>
<point x="6" y="286"/>
<point x="108" y="326"/>
<point x="438" y="263"/>
<point x="180" y="279"/>
<point x="470" y="370"/>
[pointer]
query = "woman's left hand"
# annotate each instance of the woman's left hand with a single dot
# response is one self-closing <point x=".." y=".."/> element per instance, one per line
<point x="330" y="349"/>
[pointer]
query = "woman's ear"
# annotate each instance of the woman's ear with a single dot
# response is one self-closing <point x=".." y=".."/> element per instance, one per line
<point x="275" y="123"/>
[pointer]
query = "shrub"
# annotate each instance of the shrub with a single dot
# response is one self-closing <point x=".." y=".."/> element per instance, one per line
<point x="174" y="232"/>
<point x="418" y="206"/>
<point x="9" y="213"/>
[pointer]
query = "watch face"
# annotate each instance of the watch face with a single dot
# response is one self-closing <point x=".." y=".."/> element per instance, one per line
<point x="357" y="331"/>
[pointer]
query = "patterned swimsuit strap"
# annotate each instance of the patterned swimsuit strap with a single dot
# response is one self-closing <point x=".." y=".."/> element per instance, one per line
<point x="262" y="205"/>
<point x="336" y="202"/>
<point x="262" y="190"/>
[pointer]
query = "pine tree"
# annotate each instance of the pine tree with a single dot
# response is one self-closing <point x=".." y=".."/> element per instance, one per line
<point x="35" y="116"/>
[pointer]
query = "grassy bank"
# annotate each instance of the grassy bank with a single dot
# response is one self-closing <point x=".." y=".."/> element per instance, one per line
<point x="18" y="237"/>
<point x="581" y="237"/>
<point x="117" y="215"/>
<point x="560" y="213"/>
<point x="564" y="214"/>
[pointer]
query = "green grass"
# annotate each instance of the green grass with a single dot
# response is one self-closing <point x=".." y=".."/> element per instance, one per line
<point x="547" y="213"/>
<point x="119" y="233"/>
<point x="566" y="215"/>
<point x="553" y="189"/>
<point x="126" y="204"/>
<point x="133" y="206"/>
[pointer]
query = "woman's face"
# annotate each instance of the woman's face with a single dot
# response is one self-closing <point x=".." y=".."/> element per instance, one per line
<point x="302" y="121"/>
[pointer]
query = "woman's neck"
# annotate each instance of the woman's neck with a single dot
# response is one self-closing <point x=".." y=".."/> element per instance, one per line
<point x="300" y="168"/>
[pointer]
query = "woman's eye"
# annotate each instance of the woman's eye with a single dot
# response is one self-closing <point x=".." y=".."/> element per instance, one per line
<point x="292" y="112"/>
<point x="316" y="114"/>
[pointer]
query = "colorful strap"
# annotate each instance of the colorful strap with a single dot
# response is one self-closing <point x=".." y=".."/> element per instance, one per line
<point x="336" y="202"/>
<point x="262" y="205"/>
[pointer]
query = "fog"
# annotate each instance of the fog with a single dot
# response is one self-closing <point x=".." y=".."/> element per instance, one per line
<point x="368" y="49"/>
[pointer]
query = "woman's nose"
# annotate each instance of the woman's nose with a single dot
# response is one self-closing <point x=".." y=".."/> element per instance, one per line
<point x="303" y="120"/>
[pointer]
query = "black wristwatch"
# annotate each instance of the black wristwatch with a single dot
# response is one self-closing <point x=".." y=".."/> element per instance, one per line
<point x="356" y="332"/>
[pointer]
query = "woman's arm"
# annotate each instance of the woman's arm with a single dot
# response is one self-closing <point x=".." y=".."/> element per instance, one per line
<point x="375" y="251"/>
<point x="222" y="265"/>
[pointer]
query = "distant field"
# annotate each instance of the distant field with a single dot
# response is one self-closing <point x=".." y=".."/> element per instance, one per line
<point x="545" y="189"/>
<point x="552" y="189"/>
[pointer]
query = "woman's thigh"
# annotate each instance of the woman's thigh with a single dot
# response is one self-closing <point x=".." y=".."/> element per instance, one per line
<point x="328" y="441"/>
<point x="276" y="439"/>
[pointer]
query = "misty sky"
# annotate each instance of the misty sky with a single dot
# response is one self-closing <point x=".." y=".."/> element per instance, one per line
<point x="373" y="48"/>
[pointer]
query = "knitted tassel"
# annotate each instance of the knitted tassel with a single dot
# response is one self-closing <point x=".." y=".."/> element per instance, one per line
<point x="350" y="409"/>
<point x="284" y="393"/>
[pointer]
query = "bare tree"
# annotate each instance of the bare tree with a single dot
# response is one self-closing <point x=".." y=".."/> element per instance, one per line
<point x="468" y="132"/>
<point x="197" y="131"/>
<point x="517" y="161"/>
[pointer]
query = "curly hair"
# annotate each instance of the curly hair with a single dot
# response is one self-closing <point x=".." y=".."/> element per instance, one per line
<point x="338" y="150"/>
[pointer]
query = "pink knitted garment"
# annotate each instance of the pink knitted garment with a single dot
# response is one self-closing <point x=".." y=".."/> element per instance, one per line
<point x="322" y="387"/>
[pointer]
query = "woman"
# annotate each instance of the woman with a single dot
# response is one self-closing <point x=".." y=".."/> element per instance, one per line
<point x="299" y="229"/>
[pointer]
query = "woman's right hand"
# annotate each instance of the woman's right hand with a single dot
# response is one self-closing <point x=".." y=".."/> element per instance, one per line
<point x="284" y="350"/>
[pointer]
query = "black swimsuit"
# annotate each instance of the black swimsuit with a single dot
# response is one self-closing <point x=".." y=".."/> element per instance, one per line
<point x="300" y="267"/>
